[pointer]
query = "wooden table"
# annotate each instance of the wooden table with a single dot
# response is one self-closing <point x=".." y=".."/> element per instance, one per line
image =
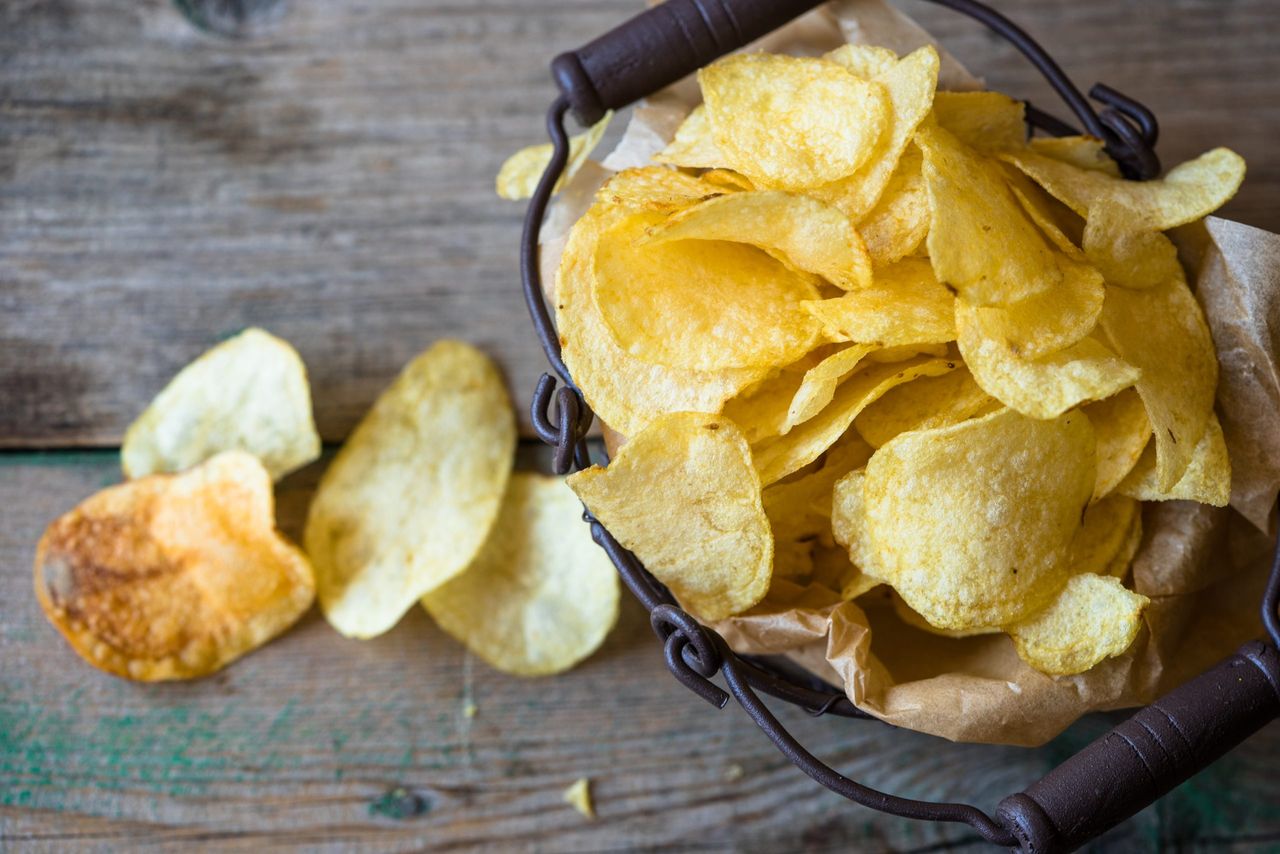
<point x="329" y="177"/>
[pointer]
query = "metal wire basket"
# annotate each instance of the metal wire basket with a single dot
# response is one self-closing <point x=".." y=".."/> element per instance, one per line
<point x="1110" y="780"/>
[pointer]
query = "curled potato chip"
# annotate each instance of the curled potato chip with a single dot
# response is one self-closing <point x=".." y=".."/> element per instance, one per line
<point x="818" y="386"/>
<point x="1063" y="227"/>
<point x="985" y="121"/>
<point x="981" y="242"/>
<point x="541" y="595"/>
<point x="1094" y="618"/>
<point x="1044" y="387"/>
<point x="1086" y="152"/>
<point x="1129" y="257"/>
<point x="905" y="305"/>
<point x="1122" y="429"/>
<point x="1162" y="331"/>
<point x="173" y="576"/>
<point x="776" y="458"/>
<point x="625" y="392"/>
<point x="1054" y="319"/>
<point x="655" y="188"/>
<point x="1104" y="535"/>
<point x="899" y="222"/>
<point x="684" y="497"/>
<point x="694" y="146"/>
<point x="926" y="404"/>
<point x="792" y="122"/>
<point x="760" y="411"/>
<point x="724" y="305"/>
<point x="249" y="393"/>
<point x="972" y="523"/>
<point x="409" y="500"/>
<point x="520" y="174"/>
<point x="1207" y="478"/>
<point x="799" y="231"/>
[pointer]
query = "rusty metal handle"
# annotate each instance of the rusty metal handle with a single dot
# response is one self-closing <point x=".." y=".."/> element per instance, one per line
<point x="659" y="46"/>
<point x="1148" y="755"/>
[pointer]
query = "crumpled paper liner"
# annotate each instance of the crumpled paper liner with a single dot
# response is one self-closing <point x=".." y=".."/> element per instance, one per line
<point x="1204" y="568"/>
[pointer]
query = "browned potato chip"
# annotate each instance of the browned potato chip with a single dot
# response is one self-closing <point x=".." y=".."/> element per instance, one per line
<point x="409" y="500"/>
<point x="541" y="595"/>
<point x="685" y="498"/>
<point x="173" y="576"/>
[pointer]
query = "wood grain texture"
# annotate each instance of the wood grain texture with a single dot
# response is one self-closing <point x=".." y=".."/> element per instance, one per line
<point x="305" y="742"/>
<point x="331" y="178"/>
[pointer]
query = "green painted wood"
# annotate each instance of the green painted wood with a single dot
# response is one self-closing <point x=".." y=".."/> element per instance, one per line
<point x="333" y="744"/>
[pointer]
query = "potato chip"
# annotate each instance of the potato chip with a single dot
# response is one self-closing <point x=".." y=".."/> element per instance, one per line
<point x="899" y="222"/>
<point x="981" y="242"/>
<point x="1054" y="319"/>
<point x="1129" y="257"/>
<point x="409" y="500"/>
<point x="910" y="83"/>
<point x="173" y="576"/>
<point x="779" y="457"/>
<point x="724" y="305"/>
<point x="790" y="122"/>
<point x="801" y="232"/>
<point x="864" y="60"/>
<point x="1044" y="387"/>
<point x="905" y="305"/>
<point x="760" y="411"/>
<point x="578" y="796"/>
<point x="1122" y="429"/>
<point x="849" y="522"/>
<point x="926" y="404"/>
<point x="1063" y="227"/>
<point x="623" y="391"/>
<point x="819" y="384"/>
<point x="1207" y="478"/>
<point x="1122" y="562"/>
<point x="1086" y="152"/>
<point x="694" y="146"/>
<point x="541" y="595"/>
<point x="985" y="121"/>
<point x="249" y="393"/>
<point x="972" y="523"/>
<point x="1103" y="535"/>
<point x="520" y="174"/>
<point x="1162" y="331"/>
<point x="684" y="497"/>
<point x="911" y="618"/>
<point x="800" y="508"/>
<point x="1094" y="618"/>
<point x="727" y="179"/>
<point x="655" y="188"/>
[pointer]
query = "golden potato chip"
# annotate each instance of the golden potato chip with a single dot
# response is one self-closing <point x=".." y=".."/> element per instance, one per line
<point x="1207" y="478"/>
<point x="1162" y="331"/>
<point x="926" y="404"/>
<point x="905" y="305"/>
<point x="1054" y="319"/>
<point x="249" y="393"/>
<point x="801" y="232"/>
<point x="1122" y="429"/>
<point x="911" y="618"/>
<point x="899" y="222"/>
<point x="1103" y="535"/>
<point x="972" y="523"/>
<point x="1063" y="226"/>
<point x="760" y="411"/>
<point x="520" y="174"/>
<point x="1044" y="387"/>
<point x="578" y="796"/>
<point x="791" y="122"/>
<point x="625" y="392"/>
<point x="1094" y="618"/>
<point x="800" y="509"/>
<point x="409" y="500"/>
<point x="727" y="179"/>
<point x="541" y="595"/>
<point x="864" y="60"/>
<point x="694" y="146"/>
<point x="779" y="457"/>
<point x="655" y="188"/>
<point x="1127" y="256"/>
<point x="1086" y="152"/>
<point x="818" y="386"/>
<point x="910" y="83"/>
<point x="173" y="576"/>
<point x="849" y="522"/>
<point x="684" y="497"/>
<point x="981" y="242"/>
<point x="985" y="121"/>
<point x="723" y="305"/>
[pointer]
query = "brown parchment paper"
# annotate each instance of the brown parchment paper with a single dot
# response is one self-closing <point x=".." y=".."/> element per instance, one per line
<point x="1204" y="568"/>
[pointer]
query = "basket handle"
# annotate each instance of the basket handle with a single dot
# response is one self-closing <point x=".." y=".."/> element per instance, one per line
<point x="1145" y="757"/>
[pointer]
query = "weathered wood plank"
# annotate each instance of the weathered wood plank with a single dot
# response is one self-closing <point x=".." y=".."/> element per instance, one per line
<point x="300" y="743"/>
<point x="332" y="178"/>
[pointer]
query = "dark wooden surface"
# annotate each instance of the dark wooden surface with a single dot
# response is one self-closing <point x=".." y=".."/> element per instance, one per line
<point x="330" y="178"/>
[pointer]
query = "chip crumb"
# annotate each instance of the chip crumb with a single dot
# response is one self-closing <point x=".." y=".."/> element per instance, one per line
<point x="579" y="796"/>
<point x="470" y="709"/>
<point x="733" y="773"/>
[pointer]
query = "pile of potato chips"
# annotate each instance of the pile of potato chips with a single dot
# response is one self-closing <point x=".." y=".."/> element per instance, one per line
<point x="181" y="570"/>
<point x="859" y="332"/>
